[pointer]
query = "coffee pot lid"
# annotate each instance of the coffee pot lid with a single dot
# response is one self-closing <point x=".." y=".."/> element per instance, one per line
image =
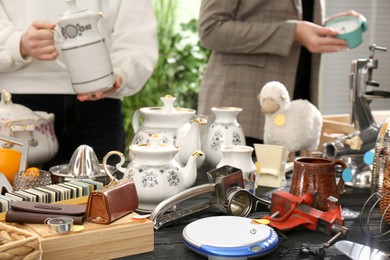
<point x="74" y="12"/>
<point x="168" y="108"/>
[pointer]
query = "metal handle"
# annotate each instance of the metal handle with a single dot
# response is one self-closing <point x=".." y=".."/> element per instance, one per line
<point x="118" y="165"/>
<point x="158" y="217"/>
<point x="340" y="184"/>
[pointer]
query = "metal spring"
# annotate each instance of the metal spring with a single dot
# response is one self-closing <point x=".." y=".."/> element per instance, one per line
<point x="369" y="224"/>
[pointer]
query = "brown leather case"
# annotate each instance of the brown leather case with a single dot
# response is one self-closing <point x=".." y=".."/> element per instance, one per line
<point x="111" y="202"/>
<point x="37" y="212"/>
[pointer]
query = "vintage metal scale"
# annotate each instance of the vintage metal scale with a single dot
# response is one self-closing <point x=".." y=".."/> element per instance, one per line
<point x="230" y="237"/>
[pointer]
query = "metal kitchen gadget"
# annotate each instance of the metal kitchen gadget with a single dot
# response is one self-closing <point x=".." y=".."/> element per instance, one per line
<point x="371" y="225"/>
<point x="60" y="225"/>
<point x="362" y="92"/>
<point x="230" y="237"/>
<point x="83" y="164"/>
<point x="227" y="196"/>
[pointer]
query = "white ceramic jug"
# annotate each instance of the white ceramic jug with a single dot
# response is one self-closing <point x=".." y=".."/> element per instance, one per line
<point x="240" y="156"/>
<point x="84" y="51"/>
<point x="225" y="130"/>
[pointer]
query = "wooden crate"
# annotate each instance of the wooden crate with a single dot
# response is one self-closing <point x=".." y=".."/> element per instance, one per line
<point x="333" y="126"/>
<point x="123" y="237"/>
<point x="338" y="125"/>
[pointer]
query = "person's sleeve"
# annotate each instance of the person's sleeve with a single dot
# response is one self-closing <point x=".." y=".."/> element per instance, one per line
<point x="134" y="46"/>
<point x="10" y="57"/>
<point x="219" y="30"/>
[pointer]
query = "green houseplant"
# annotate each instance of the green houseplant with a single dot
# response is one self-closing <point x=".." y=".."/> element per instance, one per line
<point x="179" y="68"/>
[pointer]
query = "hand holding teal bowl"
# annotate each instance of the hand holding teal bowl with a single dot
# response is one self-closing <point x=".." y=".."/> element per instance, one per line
<point x="351" y="29"/>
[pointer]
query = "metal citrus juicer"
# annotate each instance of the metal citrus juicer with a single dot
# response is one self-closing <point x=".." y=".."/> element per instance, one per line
<point x="351" y="148"/>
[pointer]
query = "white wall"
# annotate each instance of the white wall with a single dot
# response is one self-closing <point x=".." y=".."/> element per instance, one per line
<point x="334" y="95"/>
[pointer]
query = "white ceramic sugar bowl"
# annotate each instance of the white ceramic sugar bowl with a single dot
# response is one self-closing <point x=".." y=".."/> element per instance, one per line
<point x="35" y="128"/>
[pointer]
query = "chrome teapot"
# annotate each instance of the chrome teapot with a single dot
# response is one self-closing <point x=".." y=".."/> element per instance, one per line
<point x="156" y="174"/>
<point x="84" y="50"/>
<point x="175" y="126"/>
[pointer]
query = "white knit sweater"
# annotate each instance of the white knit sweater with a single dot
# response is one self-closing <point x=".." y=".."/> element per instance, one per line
<point x="132" y="39"/>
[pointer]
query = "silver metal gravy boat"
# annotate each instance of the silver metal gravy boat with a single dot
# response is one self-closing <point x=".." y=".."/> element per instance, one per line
<point x="227" y="196"/>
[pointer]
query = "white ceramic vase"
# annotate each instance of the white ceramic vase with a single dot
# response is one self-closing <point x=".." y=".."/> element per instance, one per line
<point x="225" y="130"/>
<point x="240" y="156"/>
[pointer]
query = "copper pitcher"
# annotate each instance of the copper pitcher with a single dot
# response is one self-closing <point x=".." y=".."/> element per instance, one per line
<point x="317" y="176"/>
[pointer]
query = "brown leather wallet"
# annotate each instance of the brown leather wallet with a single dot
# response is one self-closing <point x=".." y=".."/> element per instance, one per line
<point x="37" y="212"/>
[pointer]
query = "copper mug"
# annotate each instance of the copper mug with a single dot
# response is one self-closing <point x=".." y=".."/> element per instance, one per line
<point x="317" y="176"/>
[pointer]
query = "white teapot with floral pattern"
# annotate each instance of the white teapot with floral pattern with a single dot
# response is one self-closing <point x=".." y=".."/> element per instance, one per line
<point x="156" y="174"/>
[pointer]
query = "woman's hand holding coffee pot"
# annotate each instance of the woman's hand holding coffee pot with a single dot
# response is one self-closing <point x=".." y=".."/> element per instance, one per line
<point x="38" y="41"/>
<point x="100" y="95"/>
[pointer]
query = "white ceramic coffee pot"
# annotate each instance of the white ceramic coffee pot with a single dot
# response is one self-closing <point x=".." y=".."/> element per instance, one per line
<point x="175" y="126"/>
<point x="84" y="50"/>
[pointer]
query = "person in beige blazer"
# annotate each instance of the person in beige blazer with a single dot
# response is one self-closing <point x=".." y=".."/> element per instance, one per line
<point x="254" y="42"/>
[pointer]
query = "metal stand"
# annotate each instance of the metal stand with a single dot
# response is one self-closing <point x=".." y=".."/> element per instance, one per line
<point x="366" y="129"/>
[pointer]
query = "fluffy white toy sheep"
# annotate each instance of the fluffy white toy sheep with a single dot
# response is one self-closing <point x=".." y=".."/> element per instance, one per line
<point x="296" y="124"/>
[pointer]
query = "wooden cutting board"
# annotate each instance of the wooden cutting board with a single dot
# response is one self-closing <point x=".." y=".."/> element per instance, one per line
<point x="124" y="237"/>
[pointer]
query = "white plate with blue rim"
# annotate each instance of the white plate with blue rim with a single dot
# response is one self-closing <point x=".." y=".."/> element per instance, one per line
<point x="230" y="237"/>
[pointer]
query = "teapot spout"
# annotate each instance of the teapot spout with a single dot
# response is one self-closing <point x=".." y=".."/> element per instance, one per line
<point x="189" y="172"/>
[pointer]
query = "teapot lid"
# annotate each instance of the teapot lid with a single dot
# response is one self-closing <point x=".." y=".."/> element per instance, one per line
<point x="11" y="111"/>
<point x="74" y="12"/>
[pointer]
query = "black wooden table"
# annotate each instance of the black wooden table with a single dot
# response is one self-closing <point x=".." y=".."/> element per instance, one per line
<point x="169" y="244"/>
